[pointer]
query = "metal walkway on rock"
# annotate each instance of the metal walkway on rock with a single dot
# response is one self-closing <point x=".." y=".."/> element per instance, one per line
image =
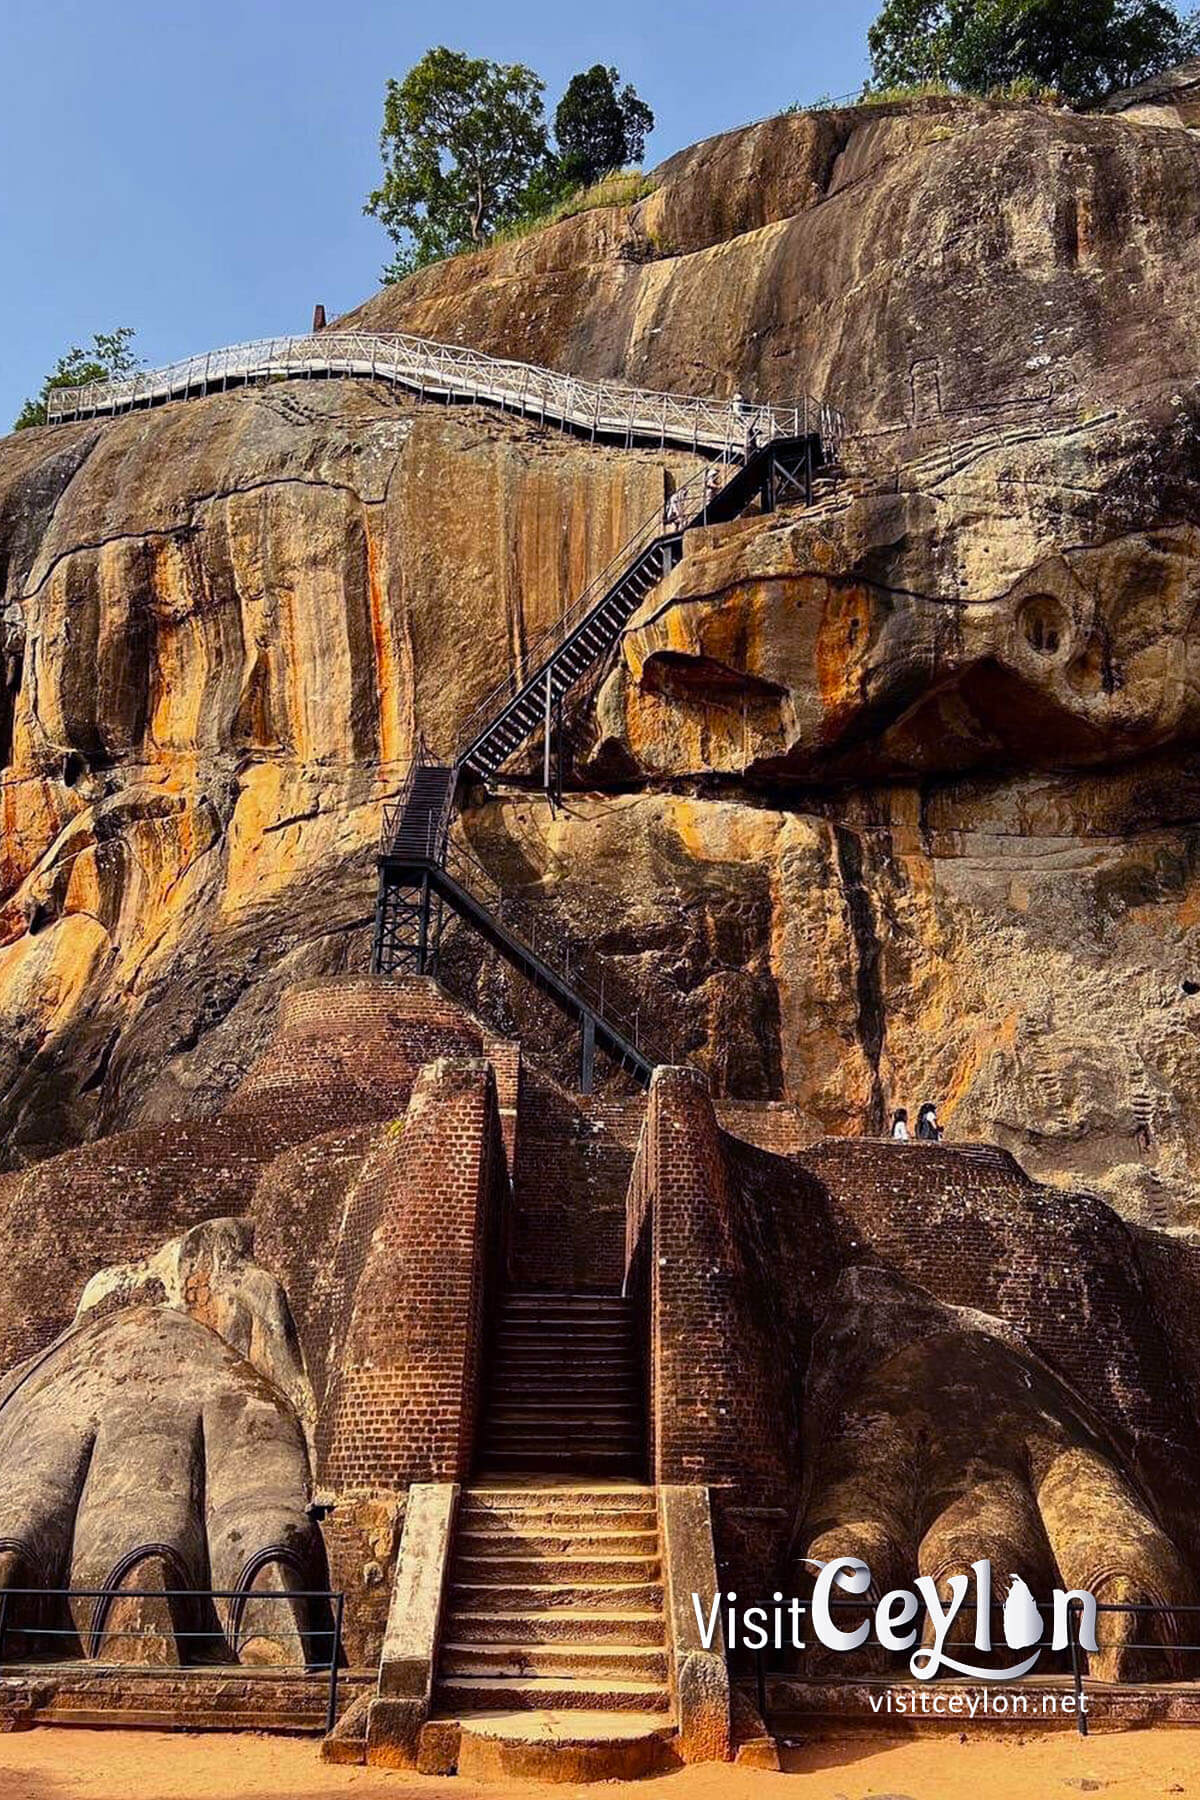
<point x="421" y="871"/>
<point x="450" y="372"/>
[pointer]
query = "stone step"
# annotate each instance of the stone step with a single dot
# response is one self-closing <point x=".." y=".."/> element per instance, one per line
<point x="552" y="1570"/>
<point x="537" y="1411"/>
<point x="580" y="1523"/>
<point x="519" y="1366"/>
<point x="573" y="1660"/>
<point x="563" y="1319"/>
<point x="564" y="1746"/>
<point x="591" y="1310"/>
<point x="571" y="1497"/>
<point x="532" y="1337"/>
<point x="564" y="1433"/>
<point x="581" y="1456"/>
<point x="561" y="1325"/>
<point x="560" y="1625"/>
<point x="505" y="1461"/>
<point x="618" y="1386"/>
<point x="600" y="1401"/>
<point x="538" y="1541"/>
<point x="470" y="1693"/>
<point x="531" y="1299"/>
<point x="494" y="1596"/>
<point x="564" y="1501"/>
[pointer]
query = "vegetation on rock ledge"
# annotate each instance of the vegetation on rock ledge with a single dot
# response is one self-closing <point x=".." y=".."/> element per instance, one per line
<point x="467" y="155"/>
<point x="1081" y="49"/>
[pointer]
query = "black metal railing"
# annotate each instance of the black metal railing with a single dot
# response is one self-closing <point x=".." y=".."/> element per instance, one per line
<point x="574" y="961"/>
<point x="1171" y="1643"/>
<point x="407" y="834"/>
<point x="213" y="1643"/>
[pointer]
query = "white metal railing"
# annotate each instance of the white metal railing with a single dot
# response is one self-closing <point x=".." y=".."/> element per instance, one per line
<point x="447" y="371"/>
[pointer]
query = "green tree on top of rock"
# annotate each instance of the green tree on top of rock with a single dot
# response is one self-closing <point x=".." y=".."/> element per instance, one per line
<point x="1081" y="48"/>
<point x="462" y="140"/>
<point x="599" y="127"/>
<point x="109" y="356"/>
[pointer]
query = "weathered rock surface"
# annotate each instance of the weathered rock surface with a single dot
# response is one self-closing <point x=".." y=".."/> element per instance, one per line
<point x="895" y="800"/>
<point x="916" y="265"/>
<point x="142" y="1451"/>
<point x="226" y="625"/>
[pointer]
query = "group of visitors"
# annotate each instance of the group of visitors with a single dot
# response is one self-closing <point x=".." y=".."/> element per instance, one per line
<point x="928" y="1128"/>
<point x="673" y="513"/>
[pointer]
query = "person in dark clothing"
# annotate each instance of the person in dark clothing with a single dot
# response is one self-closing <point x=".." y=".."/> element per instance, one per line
<point x="900" y="1124"/>
<point x="927" y="1123"/>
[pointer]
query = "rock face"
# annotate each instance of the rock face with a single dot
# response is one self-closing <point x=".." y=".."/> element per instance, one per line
<point x="892" y="800"/>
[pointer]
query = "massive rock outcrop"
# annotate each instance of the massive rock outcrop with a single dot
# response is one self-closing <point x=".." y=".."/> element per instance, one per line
<point x="890" y="800"/>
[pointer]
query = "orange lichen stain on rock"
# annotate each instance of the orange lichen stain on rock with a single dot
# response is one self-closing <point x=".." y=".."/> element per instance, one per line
<point x="842" y="638"/>
<point x="1187" y="910"/>
<point x="85" y="888"/>
<point x="737" y="834"/>
<point x="269" y="835"/>
<point x="48" y="974"/>
<point x="387" y="676"/>
<point x="975" y="1053"/>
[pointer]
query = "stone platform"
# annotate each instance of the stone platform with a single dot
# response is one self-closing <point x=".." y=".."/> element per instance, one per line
<point x="173" y="1699"/>
<point x="803" y="1709"/>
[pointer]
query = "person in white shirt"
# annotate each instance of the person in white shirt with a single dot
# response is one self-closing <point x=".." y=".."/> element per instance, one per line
<point x="900" y="1123"/>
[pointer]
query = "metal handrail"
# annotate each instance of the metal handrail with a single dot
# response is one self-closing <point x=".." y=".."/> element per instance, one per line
<point x="1170" y="1614"/>
<point x="571" y="961"/>
<point x="575" y="964"/>
<point x="428" y="367"/>
<point x="104" y="1597"/>
<point x="692" y="499"/>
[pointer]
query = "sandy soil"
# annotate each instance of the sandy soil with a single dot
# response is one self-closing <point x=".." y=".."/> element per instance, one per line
<point x="127" y="1765"/>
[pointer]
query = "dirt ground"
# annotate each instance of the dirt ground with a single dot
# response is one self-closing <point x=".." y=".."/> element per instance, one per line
<point x="127" y="1765"/>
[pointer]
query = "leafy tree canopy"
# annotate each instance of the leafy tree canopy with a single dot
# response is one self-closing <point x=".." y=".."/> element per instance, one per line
<point x="599" y="126"/>
<point x="1081" y="48"/>
<point x="462" y="138"/>
<point x="110" y="355"/>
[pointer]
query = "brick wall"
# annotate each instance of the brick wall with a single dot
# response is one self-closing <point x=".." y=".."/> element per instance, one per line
<point x="707" y="1270"/>
<point x="403" y="1406"/>
<point x="968" y="1224"/>
<point x="726" y="1245"/>
<point x="572" y="1171"/>
<point x="772" y="1125"/>
<point x="111" y="1202"/>
<point x="348" y="1050"/>
<point x="345" y="1054"/>
<point x="313" y="1221"/>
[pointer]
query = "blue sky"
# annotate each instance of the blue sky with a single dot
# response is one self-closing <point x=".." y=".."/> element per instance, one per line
<point x="198" y="170"/>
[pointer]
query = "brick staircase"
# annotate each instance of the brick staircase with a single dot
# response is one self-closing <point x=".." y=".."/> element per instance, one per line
<point x="556" y="1604"/>
<point x="555" y="1599"/>
<point x="565" y="1390"/>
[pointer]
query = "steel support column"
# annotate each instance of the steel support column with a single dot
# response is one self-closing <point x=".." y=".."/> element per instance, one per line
<point x="587" y="1053"/>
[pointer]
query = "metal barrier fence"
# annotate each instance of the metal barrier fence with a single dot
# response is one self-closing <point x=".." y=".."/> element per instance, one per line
<point x="190" y="1603"/>
<point x="443" y="371"/>
<point x="1171" y="1645"/>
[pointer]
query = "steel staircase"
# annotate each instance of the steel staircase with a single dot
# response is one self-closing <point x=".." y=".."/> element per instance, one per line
<point x="421" y="871"/>
<point x="519" y="705"/>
